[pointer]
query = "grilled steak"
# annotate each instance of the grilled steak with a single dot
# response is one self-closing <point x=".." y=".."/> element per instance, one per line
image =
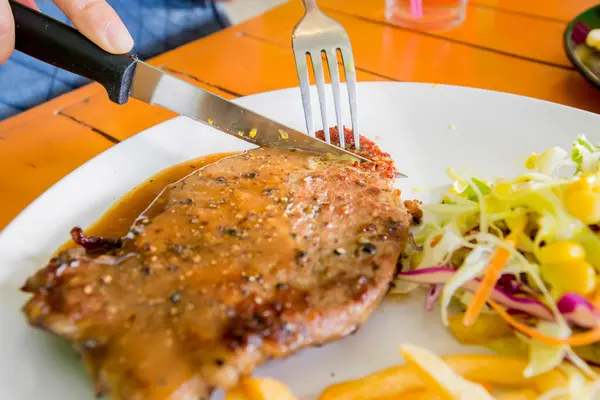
<point x="253" y="257"/>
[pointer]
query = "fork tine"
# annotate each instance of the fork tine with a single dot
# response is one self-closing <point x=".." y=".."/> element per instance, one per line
<point x="302" y="69"/>
<point x="335" y="87"/>
<point x="350" y="72"/>
<point x="317" y="63"/>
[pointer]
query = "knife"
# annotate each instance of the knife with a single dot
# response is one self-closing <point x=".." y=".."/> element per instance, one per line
<point x="124" y="76"/>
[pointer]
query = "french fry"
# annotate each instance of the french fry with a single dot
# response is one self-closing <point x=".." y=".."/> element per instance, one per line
<point x="259" y="389"/>
<point x="438" y="375"/>
<point x="266" y="389"/>
<point x="486" y="328"/>
<point x="495" y="370"/>
<point x="237" y="393"/>
<point x="418" y="395"/>
<point x="388" y="383"/>
<point x="487" y="386"/>
<point x="525" y="394"/>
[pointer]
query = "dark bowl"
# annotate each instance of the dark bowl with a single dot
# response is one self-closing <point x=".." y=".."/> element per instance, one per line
<point x="591" y="18"/>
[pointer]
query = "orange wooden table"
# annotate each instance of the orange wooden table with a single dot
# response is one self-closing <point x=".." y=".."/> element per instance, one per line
<point x="507" y="45"/>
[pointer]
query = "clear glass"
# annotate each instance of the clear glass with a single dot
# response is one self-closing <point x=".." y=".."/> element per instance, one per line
<point x="431" y="15"/>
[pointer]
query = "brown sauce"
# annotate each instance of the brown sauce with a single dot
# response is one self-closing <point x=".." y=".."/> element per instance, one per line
<point x="117" y="221"/>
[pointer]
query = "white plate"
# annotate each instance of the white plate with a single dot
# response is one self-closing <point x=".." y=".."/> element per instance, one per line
<point x="426" y="128"/>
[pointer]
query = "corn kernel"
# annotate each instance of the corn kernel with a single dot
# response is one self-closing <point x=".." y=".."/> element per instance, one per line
<point x="530" y="163"/>
<point x="561" y="252"/>
<point x="585" y="182"/>
<point x="584" y="205"/>
<point x="577" y="276"/>
<point x="593" y="38"/>
<point x="503" y="189"/>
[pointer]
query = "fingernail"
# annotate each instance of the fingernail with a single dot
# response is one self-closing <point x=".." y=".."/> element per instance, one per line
<point x="118" y="37"/>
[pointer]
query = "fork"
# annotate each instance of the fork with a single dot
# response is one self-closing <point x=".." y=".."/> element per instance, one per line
<point x="318" y="34"/>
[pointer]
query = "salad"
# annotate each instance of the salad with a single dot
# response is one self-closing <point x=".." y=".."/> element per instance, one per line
<point x="514" y="264"/>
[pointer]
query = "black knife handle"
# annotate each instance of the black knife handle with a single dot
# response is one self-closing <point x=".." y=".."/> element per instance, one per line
<point x="58" y="44"/>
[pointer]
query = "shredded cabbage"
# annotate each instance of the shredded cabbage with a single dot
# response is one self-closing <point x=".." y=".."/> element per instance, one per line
<point x="473" y="219"/>
<point x="545" y="357"/>
<point x="585" y="155"/>
<point x="471" y="268"/>
<point x="549" y="162"/>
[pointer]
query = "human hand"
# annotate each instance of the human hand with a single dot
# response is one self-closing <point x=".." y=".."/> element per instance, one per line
<point x="96" y="19"/>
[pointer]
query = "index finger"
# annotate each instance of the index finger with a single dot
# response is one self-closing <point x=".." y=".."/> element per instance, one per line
<point x="29" y="3"/>
<point x="99" y="22"/>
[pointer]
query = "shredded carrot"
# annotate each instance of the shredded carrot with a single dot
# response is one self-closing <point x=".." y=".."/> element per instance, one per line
<point x="487" y="386"/>
<point x="492" y="274"/>
<point x="436" y="240"/>
<point x="579" y="339"/>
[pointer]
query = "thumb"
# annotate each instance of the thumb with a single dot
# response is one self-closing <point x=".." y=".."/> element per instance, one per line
<point x="97" y="20"/>
<point x="7" y="31"/>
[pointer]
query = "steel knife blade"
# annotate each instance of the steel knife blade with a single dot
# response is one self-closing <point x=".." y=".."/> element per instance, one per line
<point x="157" y="87"/>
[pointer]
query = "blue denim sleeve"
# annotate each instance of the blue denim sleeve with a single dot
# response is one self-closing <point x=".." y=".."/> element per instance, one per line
<point x="156" y="26"/>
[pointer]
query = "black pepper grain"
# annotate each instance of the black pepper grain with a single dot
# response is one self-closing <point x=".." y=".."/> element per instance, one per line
<point x="301" y="255"/>
<point x="175" y="297"/>
<point x="231" y="231"/>
<point x="178" y="248"/>
<point x="369" y="248"/>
